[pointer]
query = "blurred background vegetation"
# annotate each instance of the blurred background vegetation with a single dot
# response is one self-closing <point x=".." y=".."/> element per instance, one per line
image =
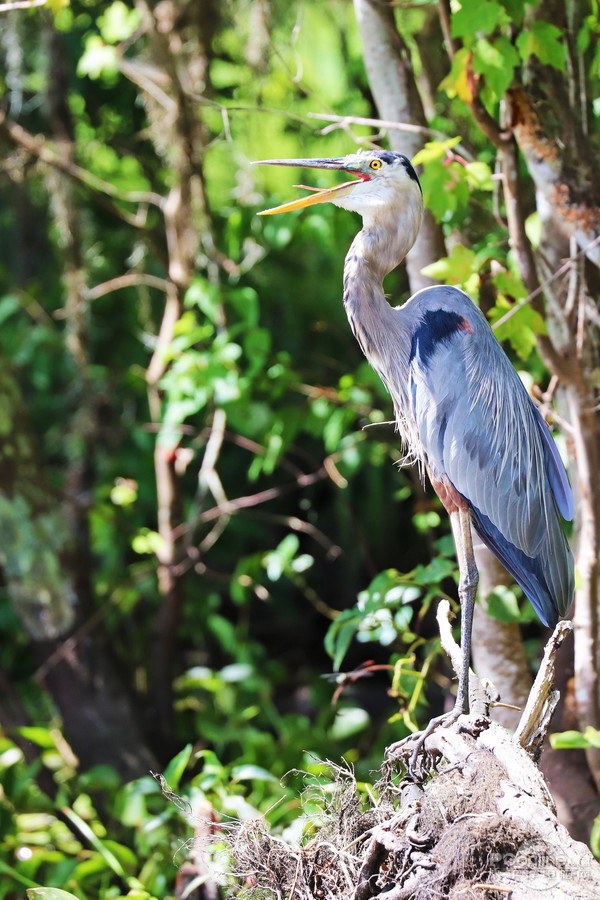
<point x="202" y="522"/>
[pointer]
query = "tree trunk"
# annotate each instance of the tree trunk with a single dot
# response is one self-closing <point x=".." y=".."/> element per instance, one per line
<point x="37" y="558"/>
<point x="390" y="74"/>
<point x="498" y="653"/>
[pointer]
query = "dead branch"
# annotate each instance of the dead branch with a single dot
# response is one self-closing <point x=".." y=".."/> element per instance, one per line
<point x="542" y="701"/>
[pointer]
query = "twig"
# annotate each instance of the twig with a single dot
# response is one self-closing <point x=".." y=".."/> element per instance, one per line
<point x="232" y="506"/>
<point x="21" y="4"/>
<point x="38" y="147"/>
<point x="542" y="699"/>
<point x="502" y="889"/>
<point x="131" y="279"/>
<point x="345" y="121"/>
<point x="208" y="478"/>
<point x="542" y="287"/>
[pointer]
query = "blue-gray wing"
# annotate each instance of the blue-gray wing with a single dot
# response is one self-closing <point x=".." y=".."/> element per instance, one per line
<point x="479" y="428"/>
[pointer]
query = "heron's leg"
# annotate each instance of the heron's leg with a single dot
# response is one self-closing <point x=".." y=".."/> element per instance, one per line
<point x="460" y="520"/>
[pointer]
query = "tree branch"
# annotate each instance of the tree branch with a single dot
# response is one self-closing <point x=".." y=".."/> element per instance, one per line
<point x="40" y="149"/>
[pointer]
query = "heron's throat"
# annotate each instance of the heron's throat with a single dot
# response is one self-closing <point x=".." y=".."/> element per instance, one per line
<point x="387" y="235"/>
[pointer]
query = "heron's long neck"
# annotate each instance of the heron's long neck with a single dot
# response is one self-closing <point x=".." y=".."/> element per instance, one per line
<point x="379" y="329"/>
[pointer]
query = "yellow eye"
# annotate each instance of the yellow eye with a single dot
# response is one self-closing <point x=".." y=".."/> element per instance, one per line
<point x="375" y="164"/>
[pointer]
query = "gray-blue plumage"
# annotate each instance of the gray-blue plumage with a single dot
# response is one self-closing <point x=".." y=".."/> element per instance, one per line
<point x="461" y="409"/>
<point x="479" y="428"/>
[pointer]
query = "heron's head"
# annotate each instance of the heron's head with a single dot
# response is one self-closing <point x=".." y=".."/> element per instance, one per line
<point x="384" y="182"/>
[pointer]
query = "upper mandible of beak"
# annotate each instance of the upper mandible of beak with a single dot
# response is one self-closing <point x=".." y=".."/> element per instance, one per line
<point x="322" y="194"/>
<point x="335" y="162"/>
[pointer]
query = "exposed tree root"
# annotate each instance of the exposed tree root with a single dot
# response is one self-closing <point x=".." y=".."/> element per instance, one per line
<point x="481" y="824"/>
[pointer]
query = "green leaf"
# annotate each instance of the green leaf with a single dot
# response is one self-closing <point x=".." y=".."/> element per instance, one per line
<point x="456" y="83"/>
<point x="251" y="772"/>
<point x="118" y="22"/>
<point x="49" y="893"/>
<point x="98" y="59"/>
<point x="102" y="847"/>
<point x="205" y="296"/>
<point x="434" y="150"/>
<point x="479" y="176"/>
<point x="595" y="836"/>
<point x="520" y="329"/>
<point x="55" y="6"/>
<point x="475" y="16"/>
<point x="348" y="722"/>
<point x="16" y="876"/>
<point x="340" y="635"/>
<point x="592" y="736"/>
<point x="438" y="569"/>
<point x="496" y="62"/>
<point x="124" y="493"/>
<point x="177" y="766"/>
<point x="543" y="40"/>
<point x="570" y="740"/>
<point x="454" y="269"/>
<point x="37" y="735"/>
<point x="147" y="541"/>
<point x="502" y="605"/>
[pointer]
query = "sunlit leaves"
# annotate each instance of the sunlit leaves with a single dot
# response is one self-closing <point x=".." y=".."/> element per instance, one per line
<point x="177" y="766"/>
<point x="458" y="83"/>
<point x="434" y="151"/>
<point x="118" y="22"/>
<point x="590" y="737"/>
<point x="454" y="269"/>
<point x="447" y="179"/>
<point x="382" y="613"/>
<point x="98" y="59"/>
<point x="512" y="321"/>
<point x="502" y="604"/>
<point x="349" y="721"/>
<point x="542" y="39"/>
<point x="490" y="51"/>
<point x="286" y="559"/>
<point x="497" y="62"/>
<point x="473" y="17"/>
<point x="49" y="893"/>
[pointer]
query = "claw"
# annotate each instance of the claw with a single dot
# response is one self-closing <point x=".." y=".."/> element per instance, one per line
<point x="401" y="748"/>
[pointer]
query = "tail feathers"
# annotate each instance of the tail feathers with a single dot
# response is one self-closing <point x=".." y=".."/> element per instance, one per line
<point x="546" y="579"/>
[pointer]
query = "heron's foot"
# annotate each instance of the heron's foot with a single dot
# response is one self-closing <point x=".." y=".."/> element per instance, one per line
<point x="412" y="751"/>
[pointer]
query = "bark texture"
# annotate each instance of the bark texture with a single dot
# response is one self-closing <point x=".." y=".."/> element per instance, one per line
<point x="397" y="98"/>
<point x="498" y="653"/>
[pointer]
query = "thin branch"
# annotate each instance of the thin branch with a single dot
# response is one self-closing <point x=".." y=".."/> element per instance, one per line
<point x="40" y="149"/>
<point x="555" y="361"/>
<point x="208" y="478"/>
<point x="345" y="121"/>
<point x="131" y="279"/>
<point x="21" y="4"/>
<point x="233" y="506"/>
<point x="536" y="716"/>
<point x="545" y="284"/>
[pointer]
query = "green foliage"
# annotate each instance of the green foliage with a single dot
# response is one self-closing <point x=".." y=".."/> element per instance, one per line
<point x="301" y="506"/>
<point x="571" y="740"/>
<point x="49" y="894"/>
<point x="544" y="41"/>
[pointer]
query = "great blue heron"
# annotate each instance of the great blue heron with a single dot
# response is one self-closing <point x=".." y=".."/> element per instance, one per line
<point x="461" y="409"/>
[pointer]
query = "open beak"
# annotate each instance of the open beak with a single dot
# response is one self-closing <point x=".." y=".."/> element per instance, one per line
<point x="320" y="195"/>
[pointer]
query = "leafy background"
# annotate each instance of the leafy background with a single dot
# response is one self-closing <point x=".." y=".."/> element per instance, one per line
<point x="302" y="550"/>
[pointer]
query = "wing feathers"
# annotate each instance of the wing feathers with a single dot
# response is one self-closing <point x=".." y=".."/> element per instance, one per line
<point x="479" y="428"/>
